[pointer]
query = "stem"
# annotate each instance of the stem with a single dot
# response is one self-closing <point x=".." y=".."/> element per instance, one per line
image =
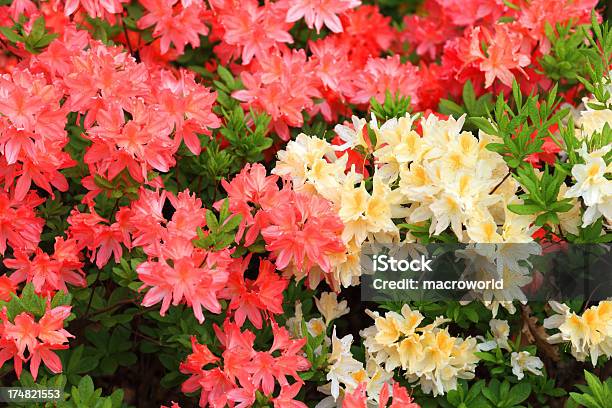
<point x="106" y="309"/>
<point x="500" y="183"/>
<point x="93" y="290"/>
<point x="127" y="37"/>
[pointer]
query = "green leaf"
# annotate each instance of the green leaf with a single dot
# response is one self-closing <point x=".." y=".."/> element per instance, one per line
<point x="469" y="97"/>
<point x="485" y="125"/>
<point x="211" y="221"/>
<point x="86" y="388"/>
<point x="519" y="393"/>
<point x="524" y="209"/>
<point x="38" y="28"/>
<point x="585" y="400"/>
<point x="11" y="35"/>
<point x="232" y="223"/>
<point x="485" y="356"/>
<point x="596" y="387"/>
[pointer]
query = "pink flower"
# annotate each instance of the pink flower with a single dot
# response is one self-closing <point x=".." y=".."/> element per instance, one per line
<point x="242" y="371"/>
<point x="283" y="86"/>
<point x="188" y="106"/>
<point x="382" y="75"/>
<point x="91" y="231"/>
<point x="20" y="228"/>
<point x="505" y="51"/>
<point x="249" y="190"/>
<point x="356" y="399"/>
<point x="467" y="13"/>
<point x="32" y="135"/>
<point x="254" y="29"/>
<point x="285" y="398"/>
<point x="95" y="8"/>
<point x="178" y="24"/>
<point x="252" y="298"/>
<point x="428" y="34"/>
<point x="361" y="41"/>
<point x="316" y="13"/>
<point x="195" y="278"/>
<point x="19" y="7"/>
<point x="332" y="65"/>
<point x="137" y="145"/>
<point x="39" y="339"/>
<point x="304" y="231"/>
<point x="400" y="397"/>
<point x="7" y="288"/>
<point x="49" y="273"/>
<point x="535" y="15"/>
<point x="176" y="271"/>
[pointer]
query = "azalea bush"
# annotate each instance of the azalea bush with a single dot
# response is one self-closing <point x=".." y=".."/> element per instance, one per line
<point x="188" y="187"/>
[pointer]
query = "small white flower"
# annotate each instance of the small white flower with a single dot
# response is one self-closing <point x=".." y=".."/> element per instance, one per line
<point x="500" y="330"/>
<point x="351" y="137"/>
<point x="592" y="185"/>
<point x="522" y="361"/>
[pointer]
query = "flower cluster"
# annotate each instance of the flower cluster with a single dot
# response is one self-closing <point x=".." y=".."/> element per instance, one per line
<point x="190" y="191"/>
<point x="23" y="339"/>
<point x="429" y="355"/>
<point x="300" y="229"/>
<point x="32" y="134"/>
<point x="135" y="115"/>
<point x="20" y="228"/>
<point x="176" y="270"/>
<point x="241" y="370"/>
<point x="589" y="334"/>
<point x="49" y="273"/>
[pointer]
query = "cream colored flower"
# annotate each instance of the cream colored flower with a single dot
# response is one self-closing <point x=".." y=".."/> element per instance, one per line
<point x="397" y="144"/>
<point x="366" y="213"/>
<point x="300" y="155"/>
<point x="523" y="361"/>
<point x="294" y="324"/>
<point x="342" y="364"/>
<point x="345" y="373"/>
<point x="500" y="331"/>
<point x="427" y="355"/>
<point x="589" y="334"/>
<point x="316" y="326"/>
<point x="352" y="137"/>
<point x="592" y="186"/>
<point x="569" y="221"/>
<point x="330" y="308"/>
<point x="593" y="120"/>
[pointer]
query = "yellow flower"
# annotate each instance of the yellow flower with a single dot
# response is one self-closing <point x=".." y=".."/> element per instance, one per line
<point x="299" y="156"/>
<point x="428" y="355"/>
<point x="589" y="334"/>
<point x="330" y="308"/>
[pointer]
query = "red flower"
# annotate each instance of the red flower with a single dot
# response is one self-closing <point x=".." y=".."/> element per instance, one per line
<point x="19" y="225"/>
<point x="252" y="298"/>
<point x="317" y="13"/>
<point x="49" y="273"/>
<point x="382" y="75"/>
<point x="39" y="339"/>
<point x="303" y="231"/>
